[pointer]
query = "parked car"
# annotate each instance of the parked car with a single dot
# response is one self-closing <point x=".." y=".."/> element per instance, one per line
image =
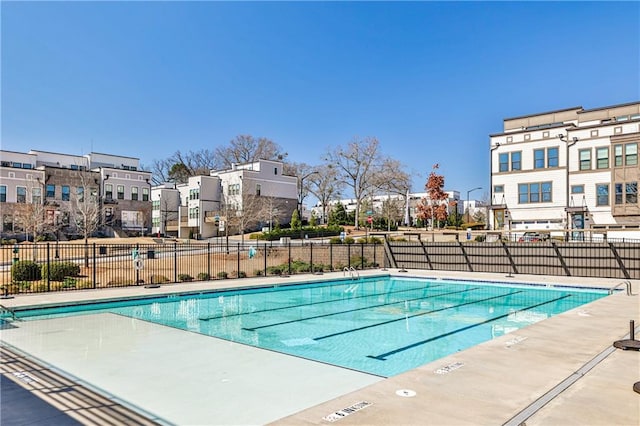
<point x="533" y="237"/>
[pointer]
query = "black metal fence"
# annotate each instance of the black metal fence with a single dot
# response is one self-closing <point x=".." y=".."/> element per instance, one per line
<point x="32" y="268"/>
<point x="584" y="259"/>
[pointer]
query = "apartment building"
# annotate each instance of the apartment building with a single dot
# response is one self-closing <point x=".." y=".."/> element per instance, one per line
<point x="248" y="196"/>
<point x="381" y="205"/>
<point x="51" y="189"/>
<point x="573" y="171"/>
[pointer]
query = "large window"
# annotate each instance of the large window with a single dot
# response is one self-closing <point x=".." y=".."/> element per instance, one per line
<point x="80" y="194"/>
<point x="631" y="192"/>
<point x="552" y="157"/>
<point x="585" y="159"/>
<point x="234" y="189"/>
<point x="51" y="191"/>
<point x="617" y="155"/>
<point x="134" y="193"/>
<point x="258" y="189"/>
<point x="538" y="158"/>
<point x="3" y="193"/>
<point x="626" y="193"/>
<point x="504" y="162"/>
<point x="108" y="191"/>
<point x="631" y="154"/>
<point x="536" y="192"/>
<point x="516" y="160"/>
<point x="602" y="158"/>
<point x="145" y="194"/>
<point x="21" y="194"/>
<point x="36" y="195"/>
<point x="66" y="191"/>
<point x="120" y="192"/>
<point x="602" y="194"/>
<point x="618" y="196"/>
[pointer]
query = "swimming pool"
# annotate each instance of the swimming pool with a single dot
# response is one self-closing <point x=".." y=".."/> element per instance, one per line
<point x="377" y="325"/>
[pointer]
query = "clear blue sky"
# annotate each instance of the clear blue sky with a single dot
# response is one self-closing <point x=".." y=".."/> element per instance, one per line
<point x="430" y="80"/>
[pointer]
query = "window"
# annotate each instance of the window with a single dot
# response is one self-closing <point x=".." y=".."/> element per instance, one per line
<point x="577" y="189"/>
<point x="108" y="191"/>
<point x="80" y="194"/>
<point x="617" y="155"/>
<point x="194" y="194"/>
<point x="155" y="205"/>
<point x="602" y="158"/>
<point x="498" y="188"/>
<point x="51" y="191"/>
<point x="36" y="195"/>
<point x="3" y="193"/>
<point x="552" y="157"/>
<point x="65" y="193"/>
<point x="145" y="194"/>
<point x="516" y="160"/>
<point x="234" y="189"/>
<point x="275" y="170"/>
<point x="504" y="162"/>
<point x="618" y="193"/>
<point x="120" y="192"/>
<point x="602" y="194"/>
<point x="585" y="159"/>
<point x="134" y="193"/>
<point x="631" y="192"/>
<point x="258" y="189"/>
<point x="538" y="158"/>
<point x="21" y="194"/>
<point x="537" y="192"/>
<point x="631" y="154"/>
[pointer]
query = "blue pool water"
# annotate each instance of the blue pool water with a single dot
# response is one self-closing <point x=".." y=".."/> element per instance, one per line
<point x="378" y="325"/>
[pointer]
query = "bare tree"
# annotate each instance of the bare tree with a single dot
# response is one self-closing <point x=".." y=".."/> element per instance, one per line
<point x="357" y="164"/>
<point x="85" y="210"/>
<point x="179" y="166"/>
<point x="245" y="211"/>
<point x="304" y="172"/>
<point x="246" y="149"/>
<point x="325" y="186"/>
<point x="30" y="210"/>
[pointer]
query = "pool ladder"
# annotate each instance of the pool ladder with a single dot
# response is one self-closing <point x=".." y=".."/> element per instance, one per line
<point x="626" y="283"/>
<point x="353" y="273"/>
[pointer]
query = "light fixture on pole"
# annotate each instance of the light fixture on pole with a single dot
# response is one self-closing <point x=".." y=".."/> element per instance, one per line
<point x="468" y="205"/>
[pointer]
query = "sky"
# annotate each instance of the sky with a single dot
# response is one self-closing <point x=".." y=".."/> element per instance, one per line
<point x="430" y="80"/>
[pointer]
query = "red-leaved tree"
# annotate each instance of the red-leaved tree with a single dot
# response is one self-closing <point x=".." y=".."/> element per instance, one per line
<point x="434" y="207"/>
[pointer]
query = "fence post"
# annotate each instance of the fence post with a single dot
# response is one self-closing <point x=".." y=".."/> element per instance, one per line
<point x="362" y="256"/>
<point x="289" y="260"/>
<point x="311" y="257"/>
<point x="238" y="269"/>
<point x="94" y="278"/>
<point x="175" y="262"/>
<point x="330" y="257"/>
<point x="48" y="267"/>
<point x="209" y="259"/>
<point x="349" y="255"/>
<point x="265" y="260"/>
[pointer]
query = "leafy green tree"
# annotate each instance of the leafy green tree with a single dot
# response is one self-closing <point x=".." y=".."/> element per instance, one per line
<point x="295" y="220"/>
<point x="338" y="215"/>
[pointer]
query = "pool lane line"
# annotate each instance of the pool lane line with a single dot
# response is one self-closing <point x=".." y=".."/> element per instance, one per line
<point x="382" y="357"/>
<point x="356" y="310"/>
<point x="419" y="314"/>
<point x="316" y="303"/>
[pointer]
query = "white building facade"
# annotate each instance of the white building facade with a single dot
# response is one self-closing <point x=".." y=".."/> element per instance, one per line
<point x="573" y="172"/>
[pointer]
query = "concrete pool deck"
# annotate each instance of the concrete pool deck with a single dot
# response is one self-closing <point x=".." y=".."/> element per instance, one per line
<point x="503" y="381"/>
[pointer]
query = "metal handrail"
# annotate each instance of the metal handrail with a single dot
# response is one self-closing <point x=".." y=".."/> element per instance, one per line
<point x="626" y="283"/>
<point x="353" y="273"/>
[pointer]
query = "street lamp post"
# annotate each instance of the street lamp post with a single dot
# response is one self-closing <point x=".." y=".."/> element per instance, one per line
<point x="568" y="144"/>
<point x="468" y="205"/>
